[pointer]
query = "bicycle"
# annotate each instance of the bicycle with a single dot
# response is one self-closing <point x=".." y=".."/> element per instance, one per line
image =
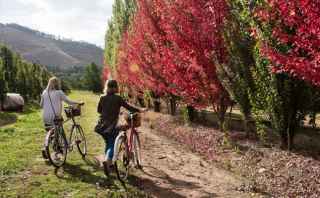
<point x="127" y="148"/>
<point x="56" y="143"/>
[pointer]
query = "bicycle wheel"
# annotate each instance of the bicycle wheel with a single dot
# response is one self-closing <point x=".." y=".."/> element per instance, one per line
<point x="137" y="151"/>
<point x="56" y="147"/>
<point x="121" y="160"/>
<point x="80" y="140"/>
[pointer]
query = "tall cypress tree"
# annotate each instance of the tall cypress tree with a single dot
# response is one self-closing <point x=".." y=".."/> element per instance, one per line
<point x="3" y="83"/>
<point x="123" y="11"/>
<point x="9" y="68"/>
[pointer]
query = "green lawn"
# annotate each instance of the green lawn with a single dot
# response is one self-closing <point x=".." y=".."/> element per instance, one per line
<point x="23" y="173"/>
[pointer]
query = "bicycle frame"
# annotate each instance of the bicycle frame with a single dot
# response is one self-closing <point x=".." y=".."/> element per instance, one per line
<point x="58" y="126"/>
<point x="74" y="124"/>
<point x="128" y="140"/>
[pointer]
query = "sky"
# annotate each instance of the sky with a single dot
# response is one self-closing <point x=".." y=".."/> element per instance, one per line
<point x="81" y="20"/>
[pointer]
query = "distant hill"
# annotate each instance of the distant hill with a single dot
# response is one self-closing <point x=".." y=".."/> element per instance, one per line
<point x="47" y="49"/>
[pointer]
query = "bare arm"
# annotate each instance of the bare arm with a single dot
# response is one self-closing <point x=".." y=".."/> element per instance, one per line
<point x="66" y="99"/>
<point x="129" y="107"/>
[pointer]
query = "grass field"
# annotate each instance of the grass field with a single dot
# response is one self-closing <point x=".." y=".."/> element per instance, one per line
<point x="23" y="172"/>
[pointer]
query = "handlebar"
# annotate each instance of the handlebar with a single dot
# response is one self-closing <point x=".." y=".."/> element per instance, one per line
<point x="71" y="106"/>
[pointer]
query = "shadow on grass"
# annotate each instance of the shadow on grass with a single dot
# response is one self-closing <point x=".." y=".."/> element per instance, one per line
<point x="152" y="186"/>
<point x="92" y="161"/>
<point x="30" y="109"/>
<point x="86" y="176"/>
<point x="10" y="117"/>
<point x="7" y="118"/>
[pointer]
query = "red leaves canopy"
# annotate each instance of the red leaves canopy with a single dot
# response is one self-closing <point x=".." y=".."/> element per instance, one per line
<point x="297" y="26"/>
<point x="171" y="46"/>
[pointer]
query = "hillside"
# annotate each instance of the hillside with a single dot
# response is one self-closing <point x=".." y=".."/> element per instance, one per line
<point x="47" y="49"/>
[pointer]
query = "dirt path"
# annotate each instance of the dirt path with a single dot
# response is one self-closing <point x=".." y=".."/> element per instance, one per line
<point x="171" y="170"/>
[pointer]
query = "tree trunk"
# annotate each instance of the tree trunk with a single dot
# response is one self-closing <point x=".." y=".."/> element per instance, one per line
<point x="221" y="117"/>
<point x="221" y="111"/>
<point x="246" y="122"/>
<point x="291" y="132"/>
<point x="149" y="103"/>
<point x="173" y="105"/>
<point x="157" y="104"/>
<point x="191" y="113"/>
<point x="287" y="136"/>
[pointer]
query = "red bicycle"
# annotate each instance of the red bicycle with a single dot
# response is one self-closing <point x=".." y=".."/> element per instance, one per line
<point x="127" y="152"/>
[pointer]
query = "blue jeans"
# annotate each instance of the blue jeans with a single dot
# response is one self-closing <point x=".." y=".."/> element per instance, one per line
<point x="110" y="140"/>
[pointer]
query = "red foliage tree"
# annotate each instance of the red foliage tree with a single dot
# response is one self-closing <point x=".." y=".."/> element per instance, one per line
<point x="294" y="48"/>
<point x="194" y="31"/>
<point x="140" y="56"/>
<point x="171" y="47"/>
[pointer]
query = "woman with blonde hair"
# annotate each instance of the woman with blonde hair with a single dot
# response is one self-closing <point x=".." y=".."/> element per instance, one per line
<point x="109" y="109"/>
<point x="51" y="103"/>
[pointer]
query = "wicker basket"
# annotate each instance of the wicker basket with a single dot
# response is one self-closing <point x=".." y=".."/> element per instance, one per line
<point x="73" y="111"/>
<point x="135" y="120"/>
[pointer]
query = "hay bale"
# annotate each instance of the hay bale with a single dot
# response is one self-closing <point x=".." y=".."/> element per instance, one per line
<point x="13" y="102"/>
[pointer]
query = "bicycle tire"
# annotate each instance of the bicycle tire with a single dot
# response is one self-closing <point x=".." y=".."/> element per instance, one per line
<point x="137" y="151"/>
<point x="121" y="159"/>
<point x="59" y="144"/>
<point x="80" y="138"/>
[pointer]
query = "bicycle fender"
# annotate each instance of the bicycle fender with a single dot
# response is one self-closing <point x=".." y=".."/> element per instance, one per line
<point x="46" y="142"/>
<point x="116" y="146"/>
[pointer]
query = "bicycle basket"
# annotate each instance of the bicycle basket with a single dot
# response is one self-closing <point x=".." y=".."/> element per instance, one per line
<point x="135" y="120"/>
<point x="73" y="111"/>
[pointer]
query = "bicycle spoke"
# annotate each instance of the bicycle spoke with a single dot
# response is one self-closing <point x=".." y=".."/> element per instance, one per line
<point x="80" y="141"/>
<point x="123" y="161"/>
<point x="56" y="147"/>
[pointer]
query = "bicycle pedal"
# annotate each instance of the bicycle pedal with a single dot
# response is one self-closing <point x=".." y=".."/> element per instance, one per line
<point x="78" y="141"/>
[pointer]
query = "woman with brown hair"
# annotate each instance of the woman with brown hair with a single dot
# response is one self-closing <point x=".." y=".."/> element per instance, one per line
<point x="109" y="110"/>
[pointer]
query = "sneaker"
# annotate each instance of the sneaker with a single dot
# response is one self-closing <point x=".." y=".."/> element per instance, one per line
<point x="111" y="168"/>
<point x="44" y="155"/>
<point x="106" y="168"/>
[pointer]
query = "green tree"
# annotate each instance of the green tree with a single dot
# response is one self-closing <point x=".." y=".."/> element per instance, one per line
<point x="3" y="83"/>
<point x="92" y="78"/>
<point x="282" y="100"/>
<point x="236" y="75"/>
<point x="22" y="82"/>
<point x="123" y="11"/>
<point x="20" y="76"/>
<point x="9" y="67"/>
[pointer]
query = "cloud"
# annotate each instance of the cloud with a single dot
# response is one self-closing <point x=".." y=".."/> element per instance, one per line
<point x="84" y="20"/>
